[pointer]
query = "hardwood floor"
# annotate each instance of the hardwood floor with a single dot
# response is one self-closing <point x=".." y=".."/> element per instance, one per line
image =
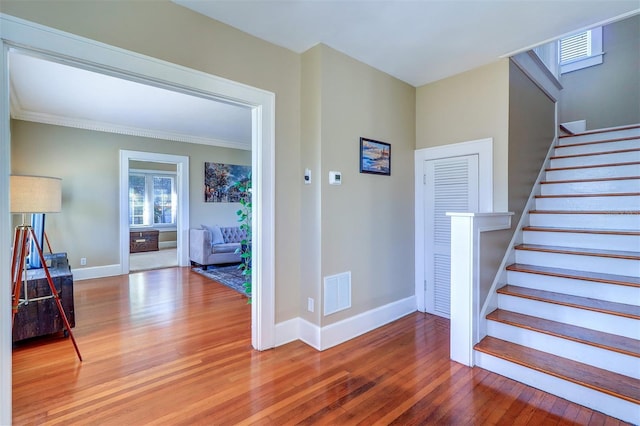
<point x="173" y="347"/>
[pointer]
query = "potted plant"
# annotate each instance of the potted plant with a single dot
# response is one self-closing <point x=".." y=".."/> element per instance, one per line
<point x="244" y="217"/>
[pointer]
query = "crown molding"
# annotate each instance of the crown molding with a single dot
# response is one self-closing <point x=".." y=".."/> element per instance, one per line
<point x="97" y="126"/>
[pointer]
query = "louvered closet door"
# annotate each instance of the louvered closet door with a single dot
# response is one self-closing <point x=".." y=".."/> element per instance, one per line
<point x="451" y="185"/>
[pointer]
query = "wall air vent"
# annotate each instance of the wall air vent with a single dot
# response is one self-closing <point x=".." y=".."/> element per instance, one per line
<point x="337" y="293"/>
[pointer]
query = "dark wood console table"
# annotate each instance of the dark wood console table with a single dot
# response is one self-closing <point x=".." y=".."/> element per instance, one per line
<point x="143" y="240"/>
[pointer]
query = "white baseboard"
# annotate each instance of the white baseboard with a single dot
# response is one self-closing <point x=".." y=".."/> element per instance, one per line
<point x="322" y="338"/>
<point x="167" y="244"/>
<point x="96" y="272"/>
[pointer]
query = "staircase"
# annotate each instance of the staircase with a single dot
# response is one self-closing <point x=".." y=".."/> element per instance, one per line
<point x="568" y="318"/>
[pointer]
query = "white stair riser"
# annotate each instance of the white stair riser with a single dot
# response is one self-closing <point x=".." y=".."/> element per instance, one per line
<point x="596" y="137"/>
<point x="613" y="203"/>
<point x="617" y="157"/>
<point x="593" y="172"/>
<point x="597" y="187"/>
<point x="582" y="240"/>
<point x="596" y="221"/>
<point x="605" y="265"/>
<point x="575" y="287"/>
<point x="587" y="354"/>
<point x="607" y="323"/>
<point x="610" y="405"/>
<point x="562" y="150"/>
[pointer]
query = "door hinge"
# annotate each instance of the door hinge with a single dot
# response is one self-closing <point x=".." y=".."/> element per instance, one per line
<point x="424" y="179"/>
<point x="425" y="285"/>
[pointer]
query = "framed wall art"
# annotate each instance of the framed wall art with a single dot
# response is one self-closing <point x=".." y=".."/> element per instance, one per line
<point x="375" y="157"/>
<point x="220" y="182"/>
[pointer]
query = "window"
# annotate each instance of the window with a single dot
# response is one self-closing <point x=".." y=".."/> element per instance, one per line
<point x="581" y="50"/>
<point x="152" y="197"/>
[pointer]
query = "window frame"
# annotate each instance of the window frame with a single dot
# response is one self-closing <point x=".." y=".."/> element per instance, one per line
<point x="594" y="58"/>
<point x="148" y="215"/>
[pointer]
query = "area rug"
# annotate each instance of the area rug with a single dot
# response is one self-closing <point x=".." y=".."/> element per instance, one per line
<point x="230" y="276"/>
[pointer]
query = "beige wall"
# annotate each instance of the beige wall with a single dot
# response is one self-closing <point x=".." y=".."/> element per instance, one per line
<point x="607" y="95"/>
<point x="310" y="208"/>
<point x="366" y="223"/>
<point x="164" y="30"/>
<point x="531" y="132"/>
<point x="469" y="106"/>
<point x="88" y="163"/>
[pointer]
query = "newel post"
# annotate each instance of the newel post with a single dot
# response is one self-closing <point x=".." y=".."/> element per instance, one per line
<point x="465" y="277"/>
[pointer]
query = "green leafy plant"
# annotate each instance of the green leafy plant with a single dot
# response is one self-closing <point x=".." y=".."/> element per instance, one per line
<point x="244" y="217"/>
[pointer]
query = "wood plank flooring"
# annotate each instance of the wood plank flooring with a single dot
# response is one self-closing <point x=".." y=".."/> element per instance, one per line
<point x="171" y="347"/>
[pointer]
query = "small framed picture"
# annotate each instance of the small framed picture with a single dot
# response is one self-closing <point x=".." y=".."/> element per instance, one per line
<point x="375" y="157"/>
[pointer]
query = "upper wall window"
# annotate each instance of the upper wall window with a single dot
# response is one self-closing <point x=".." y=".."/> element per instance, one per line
<point x="152" y="199"/>
<point x="581" y="50"/>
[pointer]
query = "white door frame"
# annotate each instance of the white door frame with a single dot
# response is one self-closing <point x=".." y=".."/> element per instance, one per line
<point x="484" y="149"/>
<point x="112" y="60"/>
<point x="182" y="184"/>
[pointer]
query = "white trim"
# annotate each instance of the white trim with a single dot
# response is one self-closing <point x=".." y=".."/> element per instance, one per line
<point x="167" y="244"/>
<point x="6" y="342"/>
<point x="288" y="331"/>
<point x="182" y="187"/>
<point x="595" y="58"/>
<point x="311" y="334"/>
<point x="322" y="338"/>
<point x="465" y="278"/>
<point x="352" y="327"/>
<point x="578" y="126"/>
<point x="484" y="149"/>
<point x="533" y="67"/>
<point x="100" y="126"/>
<point x="81" y="274"/>
<point x="115" y="61"/>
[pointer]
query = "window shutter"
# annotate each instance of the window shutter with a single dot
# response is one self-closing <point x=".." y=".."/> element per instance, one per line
<point x="575" y="47"/>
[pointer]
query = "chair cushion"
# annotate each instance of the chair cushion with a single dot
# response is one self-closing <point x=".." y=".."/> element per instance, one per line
<point x="215" y="234"/>
<point x="225" y="248"/>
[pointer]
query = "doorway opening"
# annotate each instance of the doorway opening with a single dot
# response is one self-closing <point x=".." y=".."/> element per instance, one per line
<point x="178" y="219"/>
<point x="111" y="60"/>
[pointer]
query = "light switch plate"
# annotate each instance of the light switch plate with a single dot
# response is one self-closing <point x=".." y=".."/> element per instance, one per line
<point x="335" y="178"/>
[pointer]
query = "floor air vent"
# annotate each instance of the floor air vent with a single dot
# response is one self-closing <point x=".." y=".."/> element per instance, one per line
<point x="337" y="292"/>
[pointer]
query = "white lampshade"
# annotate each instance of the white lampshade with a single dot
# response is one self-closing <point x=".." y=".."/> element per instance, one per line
<point x="36" y="194"/>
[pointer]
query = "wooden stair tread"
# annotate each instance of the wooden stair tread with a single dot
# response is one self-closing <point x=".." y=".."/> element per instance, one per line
<point x="618" y="254"/>
<point x="574" y="333"/>
<point x="591" y="154"/>
<point x="581" y="230"/>
<point x="576" y="274"/>
<point x="596" y="131"/>
<point x="591" y="166"/>
<point x="595" y="305"/>
<point x="584" y="211"/>
<point x="607" y="179"/>
<point x="604" y="381"/>
<point x="608" y="194"/>
<point x="628" y="138"/>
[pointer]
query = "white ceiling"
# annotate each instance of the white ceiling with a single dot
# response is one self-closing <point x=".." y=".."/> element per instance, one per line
<point x="417" y="41"/>
<point x="53" y="93"/>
